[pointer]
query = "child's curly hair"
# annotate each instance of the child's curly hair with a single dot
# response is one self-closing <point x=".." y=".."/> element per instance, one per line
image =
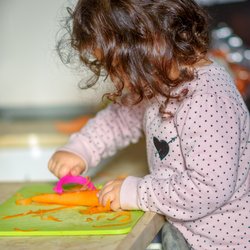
<point x="139" y="40"/>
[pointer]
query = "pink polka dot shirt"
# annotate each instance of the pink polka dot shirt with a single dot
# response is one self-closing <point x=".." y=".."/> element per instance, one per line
<point x="198" y="158"/>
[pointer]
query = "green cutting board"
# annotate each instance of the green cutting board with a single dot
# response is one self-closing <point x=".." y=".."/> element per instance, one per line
<point x="70" y="220"/>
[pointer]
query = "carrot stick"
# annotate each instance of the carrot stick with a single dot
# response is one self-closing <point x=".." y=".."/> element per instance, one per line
<point x="83" y="198"/>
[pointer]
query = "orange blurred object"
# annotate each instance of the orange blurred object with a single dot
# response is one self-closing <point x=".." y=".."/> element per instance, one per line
<point x="74" y="125"/>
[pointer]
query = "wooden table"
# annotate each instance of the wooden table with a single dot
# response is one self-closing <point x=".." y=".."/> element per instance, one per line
<point x="131" y="161"/>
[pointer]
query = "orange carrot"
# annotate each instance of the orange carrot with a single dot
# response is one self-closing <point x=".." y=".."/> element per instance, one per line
<point x="99" y="217"/>
<point x="49" y="217"/>
<point x="125" y="214"/>
<point x="89" y="220"/>
<point x="96" y="209"/>
<point x="23" y="201"/>
<point x="84" y="198"/>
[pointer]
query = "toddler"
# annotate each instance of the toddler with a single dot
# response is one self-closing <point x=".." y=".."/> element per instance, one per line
<point x="167" y="89"/>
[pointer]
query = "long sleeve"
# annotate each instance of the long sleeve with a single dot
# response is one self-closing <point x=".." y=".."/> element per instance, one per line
<point x="112" y="129"/>
<point x="209" y="129"/>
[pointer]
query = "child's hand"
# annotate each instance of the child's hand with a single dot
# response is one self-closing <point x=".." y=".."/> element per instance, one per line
<point x="111" y="192"/>
<point x="62" y="163"/>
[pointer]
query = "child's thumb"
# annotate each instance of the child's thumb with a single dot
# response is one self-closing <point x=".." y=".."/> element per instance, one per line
<point x="76" y="170"/>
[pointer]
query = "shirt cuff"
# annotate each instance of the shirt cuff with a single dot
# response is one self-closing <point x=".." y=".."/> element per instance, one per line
<point x="129" y="193"/>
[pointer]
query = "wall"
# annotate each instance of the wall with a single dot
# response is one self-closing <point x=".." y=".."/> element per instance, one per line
<point x="31" y="73"/>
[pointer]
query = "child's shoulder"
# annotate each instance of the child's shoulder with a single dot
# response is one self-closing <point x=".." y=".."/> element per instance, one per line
<point x="214" y="80"/>
<point x="212" y="83"/>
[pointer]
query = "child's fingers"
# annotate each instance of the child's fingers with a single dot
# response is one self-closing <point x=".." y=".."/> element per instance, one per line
<point x="60" y="170"/>
<point x="52" y="164"/>
<point x="76" y="170"/>
<point x="109" y="183"/>
<point x="54" y="168"/>
<point x="105" y="189"/>
<point x="115" y="205"/>
<point x="109" y="196"/>
<point x="103" y="194"/>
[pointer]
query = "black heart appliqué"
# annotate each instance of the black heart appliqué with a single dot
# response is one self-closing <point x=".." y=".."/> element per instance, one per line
<point x="162" y="147"/>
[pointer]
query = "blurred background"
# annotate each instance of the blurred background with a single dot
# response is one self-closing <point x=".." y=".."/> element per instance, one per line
<point x="31" y="73"/>
<point x="40" y="102"/>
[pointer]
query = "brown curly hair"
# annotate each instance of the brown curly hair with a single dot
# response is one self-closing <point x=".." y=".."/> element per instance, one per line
<point x="140" y="41"/>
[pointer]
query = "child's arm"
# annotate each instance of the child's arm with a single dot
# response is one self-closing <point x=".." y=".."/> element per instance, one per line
<point x="112" y="129"/>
